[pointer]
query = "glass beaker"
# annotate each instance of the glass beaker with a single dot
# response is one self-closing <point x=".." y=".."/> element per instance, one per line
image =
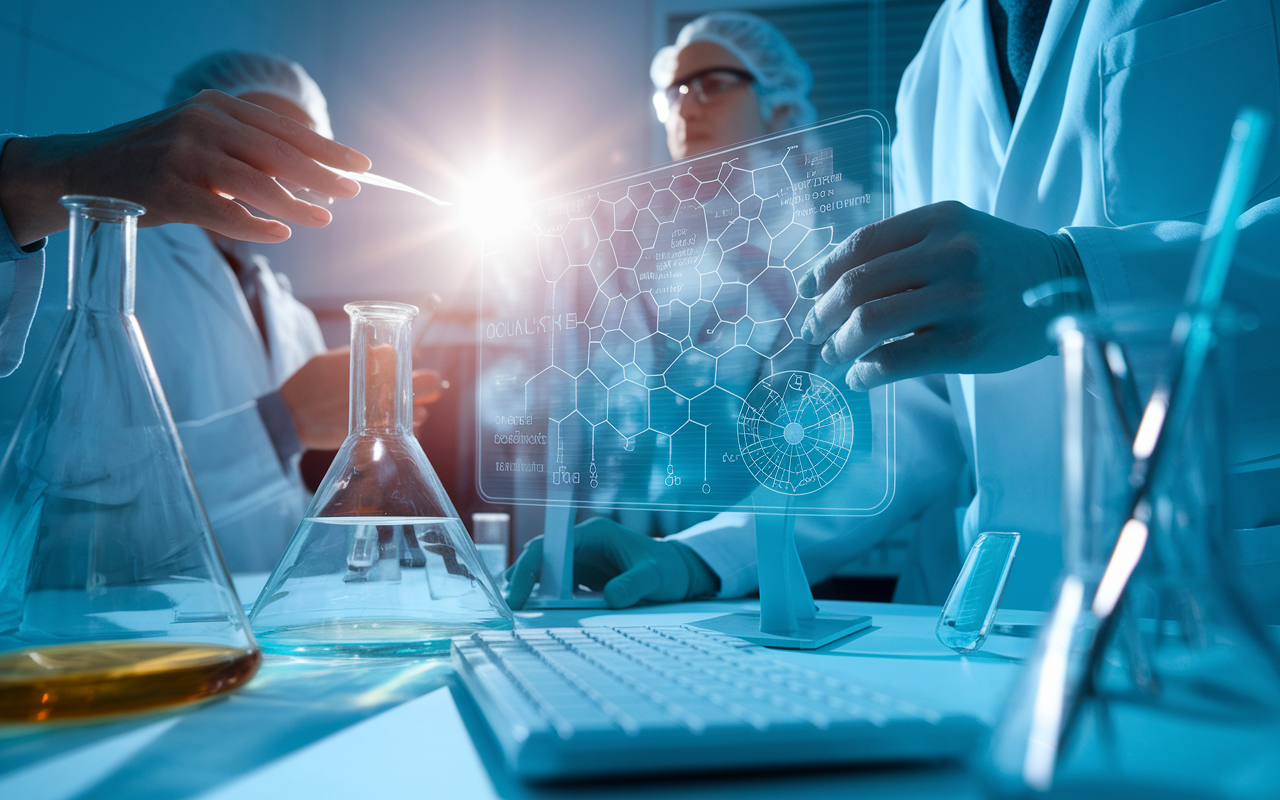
<point x="113" y="592"/>
<point x="1186" y="699"/>
<point x="382" y="564"/>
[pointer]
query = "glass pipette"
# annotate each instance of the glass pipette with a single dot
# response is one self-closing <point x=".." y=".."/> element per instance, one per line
<point x="377" y="180"/>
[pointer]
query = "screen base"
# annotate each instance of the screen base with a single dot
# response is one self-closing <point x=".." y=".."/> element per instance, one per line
<point x="577" y="600"/>
<point x="810" y="634"/>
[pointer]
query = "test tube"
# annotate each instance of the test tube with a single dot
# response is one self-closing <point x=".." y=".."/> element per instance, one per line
<point x="971" y="607"/>
<point x="492" y="534"/>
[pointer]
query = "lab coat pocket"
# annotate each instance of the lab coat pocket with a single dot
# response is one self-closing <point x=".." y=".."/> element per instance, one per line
<point x="1170" y="91"/>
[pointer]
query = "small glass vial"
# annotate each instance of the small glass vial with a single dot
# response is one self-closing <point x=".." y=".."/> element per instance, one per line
<point x="975" y="597"/>
<point x="492" y="534"/>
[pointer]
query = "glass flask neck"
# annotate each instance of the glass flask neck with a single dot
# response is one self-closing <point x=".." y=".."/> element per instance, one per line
<point x="381" y="370"/>
<point x="103" y="253"/>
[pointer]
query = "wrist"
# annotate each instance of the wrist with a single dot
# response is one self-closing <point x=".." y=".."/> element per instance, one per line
<point x="32" y="179"/>
<point x="703" y="581"/>
<point x="1075" y="284"/>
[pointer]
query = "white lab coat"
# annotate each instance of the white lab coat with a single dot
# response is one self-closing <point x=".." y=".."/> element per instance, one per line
<point x="210" y="357"/>
<point x="1118" y="140"/>
<point x="21" y="275"/>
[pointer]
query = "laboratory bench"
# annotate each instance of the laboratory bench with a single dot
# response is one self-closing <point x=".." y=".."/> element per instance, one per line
<point x="404" y="728"/>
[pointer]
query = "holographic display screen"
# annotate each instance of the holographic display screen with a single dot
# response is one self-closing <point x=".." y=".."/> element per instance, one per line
<point x="639" y="341"/>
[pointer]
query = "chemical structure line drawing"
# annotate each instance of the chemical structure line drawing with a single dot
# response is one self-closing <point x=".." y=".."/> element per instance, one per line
<point x="644" y="312"/>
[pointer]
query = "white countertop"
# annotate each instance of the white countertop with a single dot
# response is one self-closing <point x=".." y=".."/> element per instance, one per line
<point x="389" y="728"/>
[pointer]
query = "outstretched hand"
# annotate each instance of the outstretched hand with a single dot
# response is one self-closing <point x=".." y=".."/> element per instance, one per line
<point x="318" y="395"/>
<point x="184" y="164"/>
<point x="629" y="566"/>
<point x="948" y="283"/>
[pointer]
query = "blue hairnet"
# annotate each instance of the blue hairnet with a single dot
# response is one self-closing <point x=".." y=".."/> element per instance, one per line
<point x="782" y="78"/>
<point x="238" y="72"/>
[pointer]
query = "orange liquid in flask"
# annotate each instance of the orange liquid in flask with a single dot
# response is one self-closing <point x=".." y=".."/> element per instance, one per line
<point x="95" y="678"/>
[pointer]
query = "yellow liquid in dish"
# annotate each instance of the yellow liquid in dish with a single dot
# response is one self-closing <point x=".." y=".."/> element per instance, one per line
<point x="94" y="678"/>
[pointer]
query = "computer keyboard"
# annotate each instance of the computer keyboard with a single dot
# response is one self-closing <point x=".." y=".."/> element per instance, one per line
<point x="567" y="703"/>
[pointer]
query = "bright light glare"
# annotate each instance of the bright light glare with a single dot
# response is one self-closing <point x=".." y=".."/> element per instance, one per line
<point x="1144" y="443"/>
<point x="1046" y="719"/>
<point x="494" y="200"/>
<point x="1129" y="547"/>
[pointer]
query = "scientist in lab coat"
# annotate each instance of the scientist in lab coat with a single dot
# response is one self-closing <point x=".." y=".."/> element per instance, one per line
<point x="1036" y="142"/>
<point x="168" y="162"/>
<point x="242" y="362"/>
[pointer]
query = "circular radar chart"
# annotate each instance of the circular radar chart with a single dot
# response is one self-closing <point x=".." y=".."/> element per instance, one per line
<point x="795" y="432"/>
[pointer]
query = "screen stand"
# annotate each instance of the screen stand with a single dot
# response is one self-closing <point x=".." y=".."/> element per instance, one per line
<point x="556" y="587"/>
<point x="788" y="617"/>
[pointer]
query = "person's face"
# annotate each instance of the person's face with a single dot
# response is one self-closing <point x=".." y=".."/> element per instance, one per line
<point x="725" y="119"/>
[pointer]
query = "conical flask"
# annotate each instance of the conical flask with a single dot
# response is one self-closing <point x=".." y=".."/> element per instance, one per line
<point x="381" y="565"/>
<point x="1185" y="698"/>
<point x="113" y="593"/>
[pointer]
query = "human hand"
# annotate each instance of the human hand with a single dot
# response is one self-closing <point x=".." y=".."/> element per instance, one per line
<point x="318" y="397"/>
<point x="181" y="163"/>
<point x="629" y="566"/>
<point x="947" y="277"/>
<point x="428" y="386"/>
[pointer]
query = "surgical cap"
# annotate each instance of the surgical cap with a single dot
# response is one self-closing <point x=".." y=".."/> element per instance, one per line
<point x="782" y="78"/>
<point x="239" y="72"/>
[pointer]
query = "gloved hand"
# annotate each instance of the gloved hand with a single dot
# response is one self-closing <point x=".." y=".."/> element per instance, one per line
<point x="952" y="276"/>
<point x="629" y="565"/>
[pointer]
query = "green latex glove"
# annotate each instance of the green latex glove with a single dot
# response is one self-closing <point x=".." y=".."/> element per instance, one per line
<point x="630" y="566"/>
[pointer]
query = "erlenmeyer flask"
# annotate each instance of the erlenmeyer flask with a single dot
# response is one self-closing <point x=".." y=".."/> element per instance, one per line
<point x="381" y="565"/>
<point x="113" y="593"/>
<point x="1186" y="699"/>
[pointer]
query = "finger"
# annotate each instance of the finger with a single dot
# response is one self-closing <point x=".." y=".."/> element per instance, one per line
<point x="890" y="274"/>
<point x="247" y="184"/>
<point x="220" y="215"/>
<point x="419" y="417"/>
<point x="280" y="159"/>
<point x="921" y="354"/>
<point x="300" y="136"/>
<point x="634" y="585"/>
<point x="867" y="243"/>
<point x="874" y="323"/>
<point x="427" y="386"/>
<point x="523" y="574"/>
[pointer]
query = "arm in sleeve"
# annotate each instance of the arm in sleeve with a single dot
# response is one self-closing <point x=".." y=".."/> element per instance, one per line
<point x="928" y="459"/>
<point x="1151" y="262"/>
<point x="21" y="275"/>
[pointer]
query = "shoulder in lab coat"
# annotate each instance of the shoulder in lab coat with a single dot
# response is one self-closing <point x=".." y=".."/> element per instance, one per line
<point x="212" y="364"/>
<point x="1118" y="140"/>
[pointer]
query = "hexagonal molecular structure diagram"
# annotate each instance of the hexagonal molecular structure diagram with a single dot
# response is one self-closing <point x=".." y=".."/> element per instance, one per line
<point x="624" y="215"/>
<point x="553" y="258"/>
<point x="664" y="205"/>
<point x="771" y="295"/>
<point x="682" y="282"/>
<point x="656" y="354"/>
<point x="684" y="186"/>
<point x="668" y="411"/>
<point x="580" y="240"/>
<point x="629" y="408"/>
<point x="551" y="394"/>
<point x="619" y="346"/>
<point x="692" y="373"/>
<point x="602" y="365"/>
<point x="592" y="398"/>
<point x="731" y="302"/>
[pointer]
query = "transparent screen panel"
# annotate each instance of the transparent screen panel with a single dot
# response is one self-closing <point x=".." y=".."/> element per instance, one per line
<point x="640" y="340"/>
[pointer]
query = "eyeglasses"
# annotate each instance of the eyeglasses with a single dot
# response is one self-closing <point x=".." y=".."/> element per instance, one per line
<point x="706" y="86"/>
